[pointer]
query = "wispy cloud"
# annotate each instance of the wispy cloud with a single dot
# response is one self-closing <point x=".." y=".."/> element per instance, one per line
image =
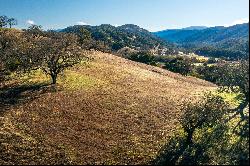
<point x="239" y="21"/>
<point x="81" y="23"/>
<point x="31" y="22"/>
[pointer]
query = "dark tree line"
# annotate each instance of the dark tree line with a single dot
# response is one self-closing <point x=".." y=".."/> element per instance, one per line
<point x="234" y="53"/>
<point x="179" y="65"/>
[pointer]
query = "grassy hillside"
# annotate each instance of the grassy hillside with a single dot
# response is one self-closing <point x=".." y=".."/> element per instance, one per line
<point x="108" y="111"/>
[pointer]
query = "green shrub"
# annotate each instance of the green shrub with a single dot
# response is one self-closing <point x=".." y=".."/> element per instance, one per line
<point x="143" y="57"/>
<point x="179" y="65"/>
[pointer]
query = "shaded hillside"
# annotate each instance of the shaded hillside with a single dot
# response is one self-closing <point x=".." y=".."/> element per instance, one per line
<point x="128" y="35"/>
<point x="221" y="41"/>
<point x="110" y="111"/>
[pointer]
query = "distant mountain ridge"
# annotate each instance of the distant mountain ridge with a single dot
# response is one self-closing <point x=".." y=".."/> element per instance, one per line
<point x="233" y="39"/>
<point x="195" y="28"/>
<point x="206" y="35"/>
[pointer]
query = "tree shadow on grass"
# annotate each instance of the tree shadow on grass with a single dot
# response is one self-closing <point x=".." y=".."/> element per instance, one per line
<point x="212" y="147"/>
<point x="16" y="94"/>
<point x="178" y="152"/>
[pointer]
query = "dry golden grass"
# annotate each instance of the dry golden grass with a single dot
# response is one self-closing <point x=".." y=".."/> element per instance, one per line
<point x="110" y="111"/>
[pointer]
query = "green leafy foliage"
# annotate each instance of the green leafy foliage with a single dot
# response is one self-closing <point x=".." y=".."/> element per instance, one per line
<point x="143" y="57"/>
<point x="179" y="65"/>
<point x="205" y="137"/>
<point x="209" y="73"/>
<point x="212" y="131"/>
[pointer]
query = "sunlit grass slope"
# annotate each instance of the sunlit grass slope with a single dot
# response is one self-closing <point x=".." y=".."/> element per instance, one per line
<point x="107" y="111"/>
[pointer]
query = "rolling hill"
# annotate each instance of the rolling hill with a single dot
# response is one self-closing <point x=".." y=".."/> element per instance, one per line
<point x="108" y="111"/>
<point x="116" y="38"/>
<point x="232" y="42"/>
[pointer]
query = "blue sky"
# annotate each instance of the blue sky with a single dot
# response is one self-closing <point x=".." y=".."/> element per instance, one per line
<point x="153" y="15"/>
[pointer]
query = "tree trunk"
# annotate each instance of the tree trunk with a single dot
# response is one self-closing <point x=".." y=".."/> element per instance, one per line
<point x="189" y="140"/>
<point x="54" y="77"/>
